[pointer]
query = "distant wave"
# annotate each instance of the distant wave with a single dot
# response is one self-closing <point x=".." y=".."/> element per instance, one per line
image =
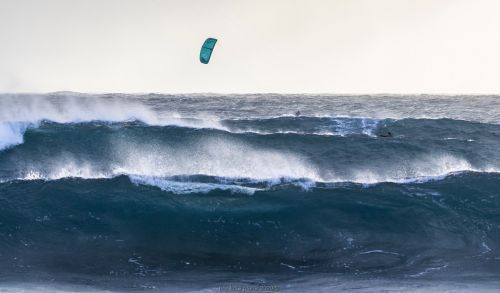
<point x="143" y="185"/>
<point x="12" y="132"/>
<point x="20" y="112"/>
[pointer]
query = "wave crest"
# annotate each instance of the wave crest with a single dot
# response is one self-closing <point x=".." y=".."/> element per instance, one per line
<point x="238" y="168"/>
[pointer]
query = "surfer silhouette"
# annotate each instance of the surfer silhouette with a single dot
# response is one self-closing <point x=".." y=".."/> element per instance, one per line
<point x="388" y="134"/>
<point x="297" y="113"/>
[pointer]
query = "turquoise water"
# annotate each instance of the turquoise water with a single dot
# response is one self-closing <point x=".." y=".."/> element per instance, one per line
<point x="134" y="189"/>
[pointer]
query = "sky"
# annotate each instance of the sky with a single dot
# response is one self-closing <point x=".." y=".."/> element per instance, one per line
<point x="278" y="46"/>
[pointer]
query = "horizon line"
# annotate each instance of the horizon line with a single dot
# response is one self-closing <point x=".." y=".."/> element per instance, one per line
<point x="250" y="93"/>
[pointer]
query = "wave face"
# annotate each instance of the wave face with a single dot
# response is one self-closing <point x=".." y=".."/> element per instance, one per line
<point x="142" y="185"/>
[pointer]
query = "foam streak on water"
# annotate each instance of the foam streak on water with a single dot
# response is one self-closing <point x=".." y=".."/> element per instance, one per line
<point x="130" y="190"/>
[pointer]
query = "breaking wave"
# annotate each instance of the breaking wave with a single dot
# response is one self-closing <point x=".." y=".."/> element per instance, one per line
<point x="155" y="184"/>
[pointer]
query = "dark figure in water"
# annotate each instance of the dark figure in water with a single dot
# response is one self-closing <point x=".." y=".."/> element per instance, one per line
<point x="297" y="113"/>
<point x="388" y="134"/>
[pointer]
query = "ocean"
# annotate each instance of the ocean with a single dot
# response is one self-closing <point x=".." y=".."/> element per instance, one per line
<point x="235" y="193"/>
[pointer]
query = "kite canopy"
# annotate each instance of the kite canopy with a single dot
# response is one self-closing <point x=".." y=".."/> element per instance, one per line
<point x="206" y="50"/>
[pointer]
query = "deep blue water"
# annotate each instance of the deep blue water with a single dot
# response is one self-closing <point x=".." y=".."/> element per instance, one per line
<point x="143" y="187"/>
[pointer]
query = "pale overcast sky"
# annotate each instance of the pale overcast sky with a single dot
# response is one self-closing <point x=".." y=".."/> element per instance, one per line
<point x="286" y="46"/>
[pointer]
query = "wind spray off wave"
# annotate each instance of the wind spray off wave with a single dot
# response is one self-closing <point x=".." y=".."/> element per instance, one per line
<point x="196" y="182"/>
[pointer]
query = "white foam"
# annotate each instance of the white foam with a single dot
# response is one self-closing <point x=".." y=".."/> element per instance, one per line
<point x="255" y="131"/>
<point x="65" y="168"/>
<point x="348" y="126"/>
<point x="422" y="169"/>
<point x="232" y="162"/>
<point x="369" y="126"/>
<point x="235" y="166"/>
<point x="26" y="287"/>
<point x="188" y="187"/>
<point x="429" y="270"/>
<point x="12" y="133"/>
<point x="212" y="157"/>
<point x="17" y="113"/>
<point x="379" y="251"/>
<point x="73" y="109"/>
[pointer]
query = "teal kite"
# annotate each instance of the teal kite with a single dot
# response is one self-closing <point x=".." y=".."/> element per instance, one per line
<point x="207" y="49"/>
